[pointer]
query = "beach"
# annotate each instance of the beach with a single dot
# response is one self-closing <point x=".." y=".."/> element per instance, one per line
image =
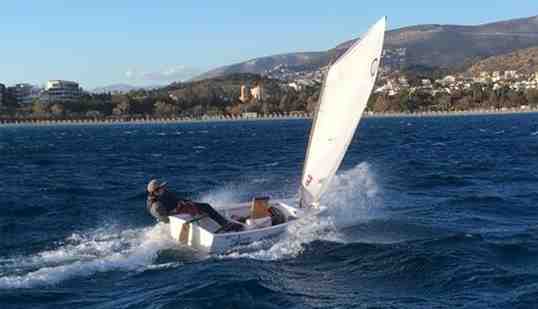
<point x="299" y="115"/>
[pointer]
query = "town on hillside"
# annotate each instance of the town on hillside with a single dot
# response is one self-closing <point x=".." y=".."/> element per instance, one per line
<point x="279" y="92"/>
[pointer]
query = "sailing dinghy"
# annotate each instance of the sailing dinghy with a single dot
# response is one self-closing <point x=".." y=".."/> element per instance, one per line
<point x="344" y="95"/>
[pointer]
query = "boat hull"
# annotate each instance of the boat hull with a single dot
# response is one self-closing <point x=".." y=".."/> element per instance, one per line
<point x="202" y="235"/>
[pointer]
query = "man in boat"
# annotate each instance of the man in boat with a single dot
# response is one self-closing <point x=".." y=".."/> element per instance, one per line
<point x="162" y="203"/>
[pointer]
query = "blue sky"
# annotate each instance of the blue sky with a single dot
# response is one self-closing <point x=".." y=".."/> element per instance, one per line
<point x="154" y="42"/>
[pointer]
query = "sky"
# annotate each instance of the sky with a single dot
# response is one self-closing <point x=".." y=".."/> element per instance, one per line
<point x="99" y="43"/>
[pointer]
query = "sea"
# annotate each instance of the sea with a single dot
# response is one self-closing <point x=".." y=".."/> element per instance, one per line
<point x="437" y="212"/>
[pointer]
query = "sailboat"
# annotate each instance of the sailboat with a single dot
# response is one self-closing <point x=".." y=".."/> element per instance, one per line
<point x="345" y="92"/>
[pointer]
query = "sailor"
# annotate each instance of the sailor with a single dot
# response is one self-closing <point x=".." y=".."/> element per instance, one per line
<point x="162" y="203"/>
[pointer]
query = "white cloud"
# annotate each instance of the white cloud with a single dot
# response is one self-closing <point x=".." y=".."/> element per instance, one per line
<point x="170" y="74"/>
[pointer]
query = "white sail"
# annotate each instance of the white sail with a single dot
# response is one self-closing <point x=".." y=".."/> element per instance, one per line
<point x="345" y="93"/>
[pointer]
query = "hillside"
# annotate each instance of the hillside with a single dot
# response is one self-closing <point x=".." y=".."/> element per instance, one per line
<point x="120" y="88"/>
<point x="524" y="61"/>
<point x="446" y="46"/>
<point x="221" y="95"/>
<point x="298" y="61"/>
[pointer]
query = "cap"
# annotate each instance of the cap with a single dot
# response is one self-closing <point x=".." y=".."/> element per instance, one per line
<point x="155" y="185"/>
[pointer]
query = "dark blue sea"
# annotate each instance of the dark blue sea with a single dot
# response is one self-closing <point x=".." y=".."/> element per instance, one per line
<point x="424" y="213"/>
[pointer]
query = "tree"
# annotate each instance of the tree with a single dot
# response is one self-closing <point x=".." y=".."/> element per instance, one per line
<point x="165" y="109"/>
<point x="405" y="101"/>
<point x="57" y="109"/>
<point x="39" y="108"/>
<point x="532" y="97"/>
<point x="122" y="108"/>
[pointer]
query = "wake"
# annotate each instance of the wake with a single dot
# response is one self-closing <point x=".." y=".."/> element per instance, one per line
<point x="353" y="197"/>
<point x="85" y="255"/>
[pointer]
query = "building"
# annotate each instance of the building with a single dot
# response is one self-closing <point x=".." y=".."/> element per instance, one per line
<point x="496" y="76"/>
<point x="257" y="93"/>
<point x="2" y="94"/>
<point x="403" y="82"/>
<point x="449" y="79"/>
<point x="245" y="94"/>
<point x="23" y="93"/>
<point x="295" y="86"/>
<point x="511" y="75"/>
<point x="426" y="83"/>
<point x="249" y="115"/>
<point x="61" y="91"/>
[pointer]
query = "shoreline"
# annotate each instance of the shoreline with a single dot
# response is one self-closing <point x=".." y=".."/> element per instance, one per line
<point x="303" y="116"/>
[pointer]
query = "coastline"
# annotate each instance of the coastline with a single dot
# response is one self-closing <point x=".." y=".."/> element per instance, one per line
<point x="303" y="116"/>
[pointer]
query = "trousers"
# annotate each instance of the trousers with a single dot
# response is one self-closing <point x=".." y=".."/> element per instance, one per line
<point x="195" y="208"/>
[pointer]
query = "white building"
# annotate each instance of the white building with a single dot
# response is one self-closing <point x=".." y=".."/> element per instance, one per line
<point x="249" y="115"/>
<point x="245" y="94"/>
<point x="62" y="91"/>
<point x="449" y="79"/>
<point x="510" y="75"/>
<point x="426" y="83"/>
<point x="24" y="93"/>
<point x="257" y="93"/>
<point x="295" y="86"/>
<point x="403" y="81"/>
<point x="496" y="76"/>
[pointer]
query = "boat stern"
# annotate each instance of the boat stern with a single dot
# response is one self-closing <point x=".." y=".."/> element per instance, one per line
<point x="192" y="234"/>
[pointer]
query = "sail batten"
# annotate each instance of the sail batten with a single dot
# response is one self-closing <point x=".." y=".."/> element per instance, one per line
<point x="345" y="93"/>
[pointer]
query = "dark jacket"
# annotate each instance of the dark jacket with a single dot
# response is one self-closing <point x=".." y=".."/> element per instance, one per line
<point x="162" y="205"/>
<point x="167" y="203"/>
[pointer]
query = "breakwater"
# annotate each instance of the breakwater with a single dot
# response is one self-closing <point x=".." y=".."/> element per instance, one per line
<point x="299" y="115"/>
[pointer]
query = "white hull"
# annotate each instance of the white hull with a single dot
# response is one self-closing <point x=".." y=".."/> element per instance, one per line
<point x="201" y="235"/>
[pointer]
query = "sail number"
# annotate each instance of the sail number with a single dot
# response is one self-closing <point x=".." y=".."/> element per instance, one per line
<point x="309" y="179"/>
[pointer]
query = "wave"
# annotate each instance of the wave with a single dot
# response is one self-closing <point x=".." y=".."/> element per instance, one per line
<point x="83" y="255"/>
<point x="352" y="197"/>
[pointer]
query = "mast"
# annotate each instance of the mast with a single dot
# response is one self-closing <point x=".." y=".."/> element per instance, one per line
<point x="304" y="199"/>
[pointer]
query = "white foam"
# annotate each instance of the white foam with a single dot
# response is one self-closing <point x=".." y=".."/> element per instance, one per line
<point x="223" y="198"/>
<point x="85" y="255"/>
<point x="292" y="244"/>
<point x="352" y="197"/>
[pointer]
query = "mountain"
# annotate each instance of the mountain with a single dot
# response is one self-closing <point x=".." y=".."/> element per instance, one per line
<point x="447" y="46"/>
<point x="120" y="88"/>
<point x="524" y="61"/>
<point x="264" y="65"/>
